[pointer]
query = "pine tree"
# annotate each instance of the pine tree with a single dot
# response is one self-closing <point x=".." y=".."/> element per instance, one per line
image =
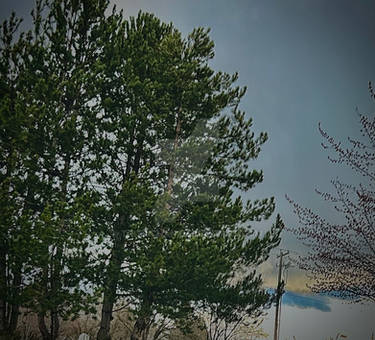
<point x="123" y="158"/>
<point x="171" y="154"/>
<point x="14" y="232"/>
<point x="47" y="183"/>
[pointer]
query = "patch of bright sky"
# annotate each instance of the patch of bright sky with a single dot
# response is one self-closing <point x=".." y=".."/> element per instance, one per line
<point x="353" y="320"/>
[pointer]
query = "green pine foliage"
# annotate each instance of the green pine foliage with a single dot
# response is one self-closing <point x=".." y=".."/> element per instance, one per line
<point x="44" y="104"/>
<point x="124" y="157"/>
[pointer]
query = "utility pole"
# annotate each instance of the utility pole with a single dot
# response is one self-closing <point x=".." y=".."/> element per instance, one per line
<point x="279" y="292"/>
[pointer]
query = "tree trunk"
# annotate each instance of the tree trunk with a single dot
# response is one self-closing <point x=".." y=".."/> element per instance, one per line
<point x="56" y="266"/>
<point x="56" y="288"/>
<point x="13" y="319"/>
<point x="105" y="322"/>
<point x="117" y="257"/>
<point x="140" y="329"/>
<point x="3" y="286"/>
<point x="172" y="165"/>
<point x="109" y="298"/>
<point x="42" y="314"/>
<point x="9" y="312"/>
<point x="55" y="325"/>
<point x="14" y="310"/>
<point x="42" y="327"/>
<point x="53" y="332"/>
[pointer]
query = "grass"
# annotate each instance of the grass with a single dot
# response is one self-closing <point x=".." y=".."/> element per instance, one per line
<point x="339" y="336"/>
<point x="120" y="329"/>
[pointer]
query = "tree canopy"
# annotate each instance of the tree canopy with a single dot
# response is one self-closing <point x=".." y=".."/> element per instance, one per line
<point x="123" y="159"/>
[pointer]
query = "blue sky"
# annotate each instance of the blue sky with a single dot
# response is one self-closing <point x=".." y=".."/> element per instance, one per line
<point x="304" y="62"/>
<point x="305" y="301"/>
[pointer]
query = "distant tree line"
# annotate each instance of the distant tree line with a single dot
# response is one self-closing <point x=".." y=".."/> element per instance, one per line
<point x="123" y="157"/>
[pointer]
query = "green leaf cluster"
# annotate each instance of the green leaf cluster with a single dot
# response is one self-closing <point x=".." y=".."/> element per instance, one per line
<point x="123" y="159"/>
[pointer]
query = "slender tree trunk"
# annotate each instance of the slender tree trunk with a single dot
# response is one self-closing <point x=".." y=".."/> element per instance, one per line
<point x="43" y="327"/>
<point x="141" y="326"/>
<point x="109" y="298"/>
<point x="114" y="268"/>
<point x="107" y="308"/>
<point x="42" y="313"/>
<point x="117" y="256"/>
<point x="3" y="286"/>
<point x="55" y="325"/>
<point x="53" y="331"/>
<point x="3" y="275"/>
<point x="9" y="312"/>
<point x="105" y="322"/>
<point x="14" y="311"/>
<point x="55" y="288"/>
<point x="140" y="329"/>
<point x="56" y="268"/>
<point x="173" y="161"/>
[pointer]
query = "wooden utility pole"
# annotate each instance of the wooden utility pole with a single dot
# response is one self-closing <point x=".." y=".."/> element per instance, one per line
<point x="279" y="292"/>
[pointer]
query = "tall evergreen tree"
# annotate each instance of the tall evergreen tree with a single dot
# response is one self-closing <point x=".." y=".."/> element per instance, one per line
<point x="131" y="96"/>
<point x="171" y="152"/>
<point x="44" y="135"/>
<point x="64" y="43"/>
<point x="117" y="136"/>
<point x="14" y="232"/>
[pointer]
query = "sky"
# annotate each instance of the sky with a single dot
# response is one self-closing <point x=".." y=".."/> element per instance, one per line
<point x="303" y="62"/>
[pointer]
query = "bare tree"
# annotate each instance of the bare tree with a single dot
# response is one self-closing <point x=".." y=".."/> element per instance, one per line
<point x="341" y="260"/>
<point x="241" y="327"/>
